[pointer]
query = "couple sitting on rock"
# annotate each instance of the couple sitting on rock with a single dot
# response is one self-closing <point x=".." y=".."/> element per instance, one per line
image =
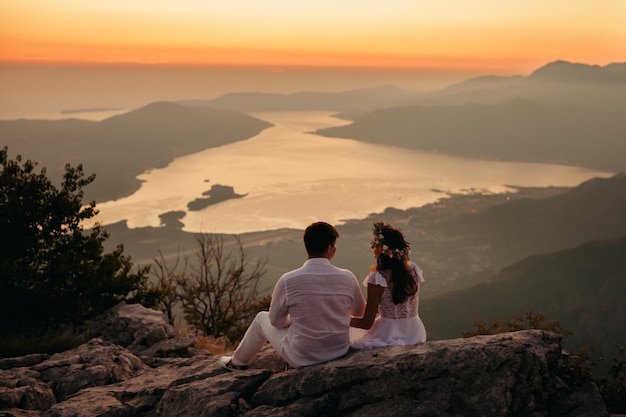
<point x="318" y="312"/>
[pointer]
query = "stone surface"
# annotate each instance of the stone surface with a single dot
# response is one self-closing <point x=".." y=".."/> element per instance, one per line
<point x="132" y="326"/>
<point x="512" y="374"/>
<point x="92" y="364"/>
<point x="174" y="347"/>
<point x="23" y="388"/>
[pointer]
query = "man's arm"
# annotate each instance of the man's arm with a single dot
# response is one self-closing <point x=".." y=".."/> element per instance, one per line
<point x="374" y="294"/>
<point x="279" y="314"/>
<point x="358" y="302"/>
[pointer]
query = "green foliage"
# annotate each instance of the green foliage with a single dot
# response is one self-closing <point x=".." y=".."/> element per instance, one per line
<point x="529" y="321"/>
<point x="218" y="293"/>
<point x="614" y="388"/>
<point x="51" y="340"/>
<point x="51" y="270"/>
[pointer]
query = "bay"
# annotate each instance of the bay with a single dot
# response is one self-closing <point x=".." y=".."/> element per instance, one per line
<point x="291" y="178"/>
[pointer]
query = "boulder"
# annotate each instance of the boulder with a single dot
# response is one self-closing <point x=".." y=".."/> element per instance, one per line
<point x="132" y="326"/>
<point x="511" y="374"/>
<point x="92" y="364"/>
<point x="24" y="389"/>
<point x="174" y="347"/>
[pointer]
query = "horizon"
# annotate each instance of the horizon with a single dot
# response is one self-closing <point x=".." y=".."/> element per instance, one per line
<point x="70" y="54"/>
<point x="53" y="91"/>
<point x="481" y="37"/>
<point x="46" y="91"/>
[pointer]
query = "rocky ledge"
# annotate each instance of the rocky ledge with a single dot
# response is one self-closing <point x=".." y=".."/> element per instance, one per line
<point x="511" y="374"/>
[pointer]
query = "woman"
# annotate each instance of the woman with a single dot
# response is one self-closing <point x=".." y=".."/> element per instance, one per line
<point x="393" y="287"/>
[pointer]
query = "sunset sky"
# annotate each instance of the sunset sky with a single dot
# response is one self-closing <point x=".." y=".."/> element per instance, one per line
<point x="492" y="35"/>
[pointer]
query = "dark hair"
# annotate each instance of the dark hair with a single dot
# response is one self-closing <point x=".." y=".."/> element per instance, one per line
<point x="318" y="237"/>
<point x="403" y="284"/>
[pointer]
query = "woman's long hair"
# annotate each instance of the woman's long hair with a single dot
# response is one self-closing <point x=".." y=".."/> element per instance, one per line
<point x="394" y="260"/>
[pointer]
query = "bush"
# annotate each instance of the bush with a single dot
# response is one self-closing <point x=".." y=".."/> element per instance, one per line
<point x="218" y="294"/>
<point x="51" y="270"/>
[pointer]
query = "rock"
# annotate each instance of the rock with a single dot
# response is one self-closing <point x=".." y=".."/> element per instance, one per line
<point x="92" y="364"/>
<point x="511" y="374"/>
<point x="140" y="394"/>
<point x="175" y="347"/>
<point x="27" y="360"/>
<point x="132" y="326"/>
<point x="23" y="388"/>
<point x="16" y="412"/>
<point x="501" y="375"/>
<point x="221" y="395"/>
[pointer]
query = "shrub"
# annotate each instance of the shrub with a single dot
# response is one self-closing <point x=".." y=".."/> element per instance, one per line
<point x="51" y="270"/>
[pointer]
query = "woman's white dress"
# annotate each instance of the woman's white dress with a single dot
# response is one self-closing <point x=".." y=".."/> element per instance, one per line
<point x="396" y="324"/>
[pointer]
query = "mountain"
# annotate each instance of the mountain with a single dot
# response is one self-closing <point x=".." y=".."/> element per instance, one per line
<point x="596" y="209"/>
<point x="583" y="288"/>
<point x="23" y="129"/>
<point x="517" y="130"/>
<point x="556" y="84"/>
<point x="485" y="82"/>
<point x="119" y="148"/>
<point x="567" y="72"/>
<point x="363" y="99"/>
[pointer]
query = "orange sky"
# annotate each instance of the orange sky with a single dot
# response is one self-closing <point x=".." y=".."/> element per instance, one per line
<point x="495" y="35"/>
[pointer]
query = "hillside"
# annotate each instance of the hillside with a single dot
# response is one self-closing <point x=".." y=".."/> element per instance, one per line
<point x="121" y="147"/>
<point x="518" y="130"/>
<point x="584" y="288"/>
<point x="596" y="209"/>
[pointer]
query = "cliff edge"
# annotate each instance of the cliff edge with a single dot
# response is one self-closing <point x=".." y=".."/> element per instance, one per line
<point x="511" y="374"/>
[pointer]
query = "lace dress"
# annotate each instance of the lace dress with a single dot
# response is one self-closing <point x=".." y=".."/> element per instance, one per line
<point x="396" y="324"/>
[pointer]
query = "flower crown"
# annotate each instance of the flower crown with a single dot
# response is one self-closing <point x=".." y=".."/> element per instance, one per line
<point x="379" y="241"/>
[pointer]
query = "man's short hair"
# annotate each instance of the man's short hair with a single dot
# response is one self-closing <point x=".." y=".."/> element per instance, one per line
<point x="318" y="236"/>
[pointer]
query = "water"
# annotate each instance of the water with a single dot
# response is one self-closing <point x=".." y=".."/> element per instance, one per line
<point x="292" y="178"/>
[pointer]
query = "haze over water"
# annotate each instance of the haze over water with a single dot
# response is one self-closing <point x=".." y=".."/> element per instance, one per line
<point x="292" y="178"/>
<point x="46" y="91"/>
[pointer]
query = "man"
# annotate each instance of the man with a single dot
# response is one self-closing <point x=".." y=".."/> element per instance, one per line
<point x="309" y="317"/>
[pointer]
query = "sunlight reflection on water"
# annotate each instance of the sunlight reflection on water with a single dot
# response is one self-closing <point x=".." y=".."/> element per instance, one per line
<point x="293" y="178"/>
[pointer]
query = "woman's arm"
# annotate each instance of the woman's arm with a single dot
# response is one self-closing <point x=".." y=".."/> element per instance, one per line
<point x="374" y="293"/>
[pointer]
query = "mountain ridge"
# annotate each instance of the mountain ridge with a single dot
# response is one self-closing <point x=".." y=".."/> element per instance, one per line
<point x="121" y="147"/>
<point x="518" y="130"/>
<point x="565" y="77"/>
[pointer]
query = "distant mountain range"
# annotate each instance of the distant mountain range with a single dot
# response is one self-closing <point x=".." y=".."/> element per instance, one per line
<point x="561" y="113"/>
<point x="121" y="147"/>
<point x="307" y="101"/>
<point x="557" y="83"/>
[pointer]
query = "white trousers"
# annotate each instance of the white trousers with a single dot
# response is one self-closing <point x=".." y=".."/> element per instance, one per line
<point x="259" y="332"/>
